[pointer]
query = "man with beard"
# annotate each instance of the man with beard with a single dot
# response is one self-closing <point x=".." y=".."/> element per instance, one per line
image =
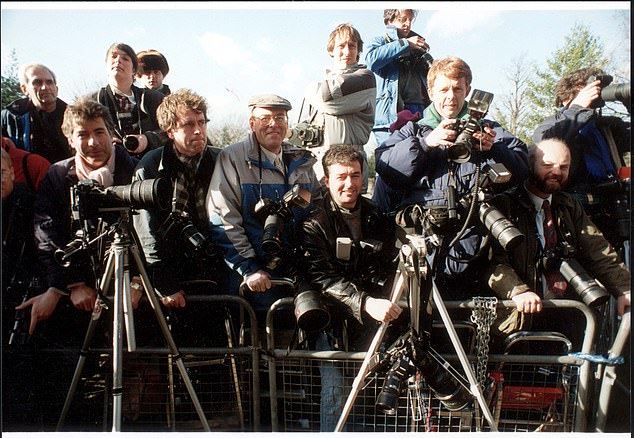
<point x="537" y="207"/>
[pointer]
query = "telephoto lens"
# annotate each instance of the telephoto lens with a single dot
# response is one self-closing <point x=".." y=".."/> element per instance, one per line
<point x="387" y="401"/>
<point x="502" y="229"/>
<point x="588" y="290"/>
<point x="451" y="394"/>
<point x="310" y="312"/>
<point x="130" y="142"/>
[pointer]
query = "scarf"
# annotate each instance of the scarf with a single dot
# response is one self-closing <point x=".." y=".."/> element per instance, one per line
<point x="103" y="175"/>
<point x="432" y="119"/>
<point x="185" y="186"/>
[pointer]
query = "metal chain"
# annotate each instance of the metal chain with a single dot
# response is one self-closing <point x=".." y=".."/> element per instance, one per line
<point x="483" y="315"/>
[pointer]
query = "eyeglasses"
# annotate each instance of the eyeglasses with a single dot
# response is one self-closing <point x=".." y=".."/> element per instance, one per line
<point x="266" y="119"/>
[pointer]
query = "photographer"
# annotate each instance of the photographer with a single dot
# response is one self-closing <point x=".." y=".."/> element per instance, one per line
<point x="261" y="168"/>
<point x="339" y="263"/>
<point x="89" y="129"/>
<point x="549" y="218"/>
<point x="153" y="68"/>
<point x="400" y="60"/>
<point x="342" y="105"/>
<point x="418" y="173"/>
<point x="599" y="147"/>
<point x="133" y="109"/>
<point x="188" y="163"/>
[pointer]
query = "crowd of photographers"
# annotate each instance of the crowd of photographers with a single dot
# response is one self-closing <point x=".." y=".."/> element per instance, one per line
<point x="235" y="220"/>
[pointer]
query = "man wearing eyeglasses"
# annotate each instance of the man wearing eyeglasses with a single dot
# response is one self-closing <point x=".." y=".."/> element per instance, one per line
<point x="259" y="170"/>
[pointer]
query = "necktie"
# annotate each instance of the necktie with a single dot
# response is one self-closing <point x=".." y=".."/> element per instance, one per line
<point x="554" y="280"/>
<point x="124" y="103"/>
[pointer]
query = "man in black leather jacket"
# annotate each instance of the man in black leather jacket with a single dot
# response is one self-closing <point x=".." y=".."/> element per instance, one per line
<point x="348" y="248"/>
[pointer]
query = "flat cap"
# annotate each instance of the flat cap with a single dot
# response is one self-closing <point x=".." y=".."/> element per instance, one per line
<point x="269" y="101"/>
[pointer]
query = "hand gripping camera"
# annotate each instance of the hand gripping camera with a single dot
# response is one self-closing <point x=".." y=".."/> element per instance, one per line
<point x="460" y="151"/>
<point x="562" y="258"/>
<point x="611" y="92"/>
<point x="307" y="134"/>
<point x="274" y="214"/>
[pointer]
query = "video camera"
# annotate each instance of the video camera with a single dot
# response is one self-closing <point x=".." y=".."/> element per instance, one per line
<point x="562" y="258"/>
<point x="478" y="106"/>
<point x="611" y="92"/>
<point x="274" y="214"/>
<point x="409" y="353"/>
<point x="307" y="134"/>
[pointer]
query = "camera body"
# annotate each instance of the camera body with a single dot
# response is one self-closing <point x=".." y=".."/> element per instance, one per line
<point x="460" y="151"/>
<point x="274" y="214"/>
<point x="307" y="134"/>
<point x="416" y="59"/>
<point x="562" y="258"/>
<point x="611" y="92"/>
<point x="178" y="228"/>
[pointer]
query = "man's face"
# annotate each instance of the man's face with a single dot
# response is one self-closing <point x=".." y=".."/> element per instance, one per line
<point x="7" y="178"/>
<point x="403" y="23"/>
<point x="345" y="51"/>
<point x="269" y="126"/>
<point x="551" y="165"/>
<point x="449" y="95"/>
<point x="152" y="79"/>
<point x="92" y="141"/>
<point x="344" y="182"/>
<point x="190" y="134"/>
<point x="119" y="66"/>
<point x="40" y="87"/>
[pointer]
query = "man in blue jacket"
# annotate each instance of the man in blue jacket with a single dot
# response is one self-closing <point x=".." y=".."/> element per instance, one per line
<point x="400" y="61"/>
<point x="419" y="176"/>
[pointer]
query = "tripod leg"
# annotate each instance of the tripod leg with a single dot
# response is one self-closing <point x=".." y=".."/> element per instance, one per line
<point x="96" y="314"/>
<point x="117" y="341"/>
<point x="397" y="291"/>
<point x="451" y="331"/>
<point x="151" y="295"/>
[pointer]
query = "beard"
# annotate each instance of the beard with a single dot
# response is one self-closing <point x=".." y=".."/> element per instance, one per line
<point x="549" y="184"/>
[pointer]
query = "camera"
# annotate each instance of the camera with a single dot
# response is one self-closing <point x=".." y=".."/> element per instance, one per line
<point x="611" y="92"/>
<point x="410" y="352"/>
<point x="179" y="228"/>
<point x="311" y="313"/>
<point x="130" y="142"/>
<point x="274" y="214"/>
<point x="417" y="58"/>
<point x="460" y="151"/>
<point x="502" y="229"/>
<point x="562" y="258"/>
<point x="88" y="197"/>
<point x="307" y="134"/>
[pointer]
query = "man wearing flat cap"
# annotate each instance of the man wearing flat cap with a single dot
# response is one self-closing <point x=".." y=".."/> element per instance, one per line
<point x="260" y="169"/>
<point x="153" y="68"/>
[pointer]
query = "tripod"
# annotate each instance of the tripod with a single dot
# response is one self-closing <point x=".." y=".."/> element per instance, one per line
<point x="118" y="268"/>
<point x="413" y="266"/>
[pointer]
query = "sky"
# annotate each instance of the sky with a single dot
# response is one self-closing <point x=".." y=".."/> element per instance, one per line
<point x="229" y="51"/>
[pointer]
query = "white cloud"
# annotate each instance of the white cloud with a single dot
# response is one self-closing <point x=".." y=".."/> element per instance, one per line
<point x="265" y="45"/>
<point x="292" y="71"/>
<point x="225" y="52"/>
<point x="454" y="22"/>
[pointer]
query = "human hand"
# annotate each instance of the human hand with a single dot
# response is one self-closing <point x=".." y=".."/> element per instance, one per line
<point x="259" y="281"/>
<point x="443" y="135"/>
<point x="417" y="43"/>
<point x="175" y="300"/>
<point x="527" y="302"/>
<point x="381" y="309"/>
<point x="587" y="95"/>
<point x="136" y="291"/>
<point x="42" y="307"/>
<point x="83" y="297"/>
<point x="622" y="303"/>
<point x="487" y="136"/>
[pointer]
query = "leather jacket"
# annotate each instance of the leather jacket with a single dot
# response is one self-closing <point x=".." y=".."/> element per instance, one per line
<point x="346" y="283"/>
<point x="515" y="272"/>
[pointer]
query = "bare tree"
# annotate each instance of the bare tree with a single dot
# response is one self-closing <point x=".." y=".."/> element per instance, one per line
<point x="513" y="109"/>
<point x="229" y="130"/>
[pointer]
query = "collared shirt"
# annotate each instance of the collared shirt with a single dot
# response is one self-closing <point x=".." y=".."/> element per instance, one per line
<point x="539" y="220"/>
<point x="274" y="158"/>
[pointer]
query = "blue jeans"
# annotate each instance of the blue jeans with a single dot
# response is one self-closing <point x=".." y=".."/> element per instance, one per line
<point x="332" y="390"/>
